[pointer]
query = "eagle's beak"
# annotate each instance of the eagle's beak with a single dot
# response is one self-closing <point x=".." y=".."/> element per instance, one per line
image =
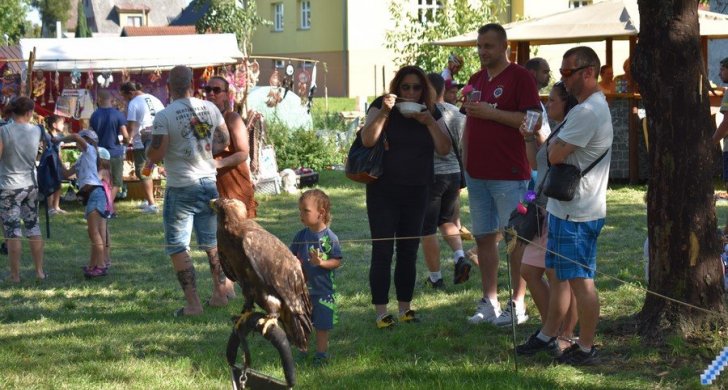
<point x="213" y="206"/>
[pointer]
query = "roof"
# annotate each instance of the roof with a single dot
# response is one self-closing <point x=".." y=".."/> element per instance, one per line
<point x="13" y="52"/>
<point x="616" y="19"/>
<point x="115" y="53"/>
<point x="103" y="16"/>
<point x="129" y="31"/>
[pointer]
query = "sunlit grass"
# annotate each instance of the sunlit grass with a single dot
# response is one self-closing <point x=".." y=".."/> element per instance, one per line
<point x="118" y="332"/>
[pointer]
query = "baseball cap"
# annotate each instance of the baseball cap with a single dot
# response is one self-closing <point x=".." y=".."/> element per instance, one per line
<point x="90" y="134"/>
<point x="104" y="154"/>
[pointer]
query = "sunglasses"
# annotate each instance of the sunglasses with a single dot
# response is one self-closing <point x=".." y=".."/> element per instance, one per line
<point x="214" y="90"/>
<point x="414" y="87"/>
<point x="569" y="72"/>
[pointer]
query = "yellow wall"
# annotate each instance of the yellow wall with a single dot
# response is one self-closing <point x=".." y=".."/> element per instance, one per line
<point x="325" y="35"/>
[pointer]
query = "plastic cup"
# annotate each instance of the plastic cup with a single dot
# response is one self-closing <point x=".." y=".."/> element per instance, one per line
<point x="474" y="96"/>
<point x="532" y="118"/>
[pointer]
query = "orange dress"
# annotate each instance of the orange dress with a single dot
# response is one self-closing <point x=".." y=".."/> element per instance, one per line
<point x="234" y="182"/>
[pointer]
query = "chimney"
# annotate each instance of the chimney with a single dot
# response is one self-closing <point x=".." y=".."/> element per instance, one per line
<point x="59" y="29"/>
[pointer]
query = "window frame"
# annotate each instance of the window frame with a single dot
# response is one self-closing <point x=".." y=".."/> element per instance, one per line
<point x="304" y="14"/>
<point x="130" y="18"/>
<point x="427" y="10"/>
<point x="278" y="16"/>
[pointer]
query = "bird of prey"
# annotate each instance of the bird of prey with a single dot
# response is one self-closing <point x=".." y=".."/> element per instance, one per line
<point x="266" y="270"/>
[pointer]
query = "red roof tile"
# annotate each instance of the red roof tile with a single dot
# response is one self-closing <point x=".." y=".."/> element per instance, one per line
<point x="157" y="30"/>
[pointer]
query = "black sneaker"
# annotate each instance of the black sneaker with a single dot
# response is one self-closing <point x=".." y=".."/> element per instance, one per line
<point x="462" y="271"/>
<point x="576" y="357"/>
<point x="534" y="345"/>
<point x="437" y="285"/>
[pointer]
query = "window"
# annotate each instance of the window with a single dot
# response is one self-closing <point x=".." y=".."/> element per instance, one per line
<point x="278" y="17"/>
<point x="135" y="21"/>
<point x="579" y="3"/>
<point x="305" y="14"/>
<point x="427" y="10"/>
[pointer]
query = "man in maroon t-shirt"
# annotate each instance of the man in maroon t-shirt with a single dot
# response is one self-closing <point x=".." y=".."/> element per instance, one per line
<point x="497" y="170"/>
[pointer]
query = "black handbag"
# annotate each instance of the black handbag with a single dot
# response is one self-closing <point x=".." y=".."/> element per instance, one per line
<point x="563" y="179"/>
<point x="365" y="165"/>
<point x="529" y="225"/>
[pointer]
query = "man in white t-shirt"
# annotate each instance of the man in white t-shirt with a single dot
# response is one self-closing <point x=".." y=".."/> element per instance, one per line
<point x="186" y="134"/>
<point x="573" y="226"/>
<point x="140" y="112"/>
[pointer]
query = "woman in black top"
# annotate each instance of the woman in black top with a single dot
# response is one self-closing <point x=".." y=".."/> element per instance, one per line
<point x="396" y="202"/>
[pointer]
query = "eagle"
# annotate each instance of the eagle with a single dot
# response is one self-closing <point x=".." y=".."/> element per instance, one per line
<point x="266" y="270"/>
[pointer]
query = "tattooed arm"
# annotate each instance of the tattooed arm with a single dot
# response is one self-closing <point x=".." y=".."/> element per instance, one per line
<point x="220" y="138"/>
<point x="158" y="148"/>
<point x="559" y="150"/>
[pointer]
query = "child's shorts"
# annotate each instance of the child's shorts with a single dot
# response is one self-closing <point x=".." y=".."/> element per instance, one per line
<point x="97" y="202"/>
<point x="325" y="315"/>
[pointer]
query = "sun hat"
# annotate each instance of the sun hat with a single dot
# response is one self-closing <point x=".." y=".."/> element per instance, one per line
<point x="104" y="154"/>
<point x="90" y="134"/>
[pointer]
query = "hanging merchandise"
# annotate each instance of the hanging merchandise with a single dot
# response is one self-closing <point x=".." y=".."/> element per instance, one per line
<point x="125" y="78"/>
<point x="155" y="76"/>
<point x="253" y="74"/>
<point x="90" y="79"/>
<point x="75" y="103"/>
<point x="288" y="79"/>
<point x="274" y="95"/>
<point x="240" y="82"/>
<point x="75" y="76"/>
<point x="39" y="86"/>
<point x="209" y="72"/>
<point x="105" y="79"/>
<point x="303" y="78"/>
<point x="312" y="89"/>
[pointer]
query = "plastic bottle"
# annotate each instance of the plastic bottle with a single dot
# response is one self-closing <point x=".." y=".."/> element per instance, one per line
<point x="147" y="170"/>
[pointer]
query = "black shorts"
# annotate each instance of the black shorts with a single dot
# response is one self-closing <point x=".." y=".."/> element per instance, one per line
<point x="443" y="202"/>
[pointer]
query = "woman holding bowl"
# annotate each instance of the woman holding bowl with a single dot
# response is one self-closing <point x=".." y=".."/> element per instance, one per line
<point x="413" y="131"/>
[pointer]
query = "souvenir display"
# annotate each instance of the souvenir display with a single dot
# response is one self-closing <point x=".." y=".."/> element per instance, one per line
<point x="253" y="74"/>
<point x="240" y="82"/>
<point x="155" y="76"/>
<point x="274" y="95"/>
<point x="207" y="73"/>
<point x="105" y="79"/>
<point x="90" y="79"/>
<point x="75" y="77"/>
<point x="125" y="78"/>
<point x="303" y="78"/>
<point x="39" y="86"/>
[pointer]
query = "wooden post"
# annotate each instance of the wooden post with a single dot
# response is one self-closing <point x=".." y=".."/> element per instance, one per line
<point x="513" y="51"/>
<point x="610" y="56"/>
<point x="29" y="74"/>
<point x="523" y="52"/>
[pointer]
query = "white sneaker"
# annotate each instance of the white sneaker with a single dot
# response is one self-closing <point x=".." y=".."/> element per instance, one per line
<point x="504" y="319"/>
<point x="485" y="312"/>
<point x="151" y="209"/>
<point x="144" y="204"/>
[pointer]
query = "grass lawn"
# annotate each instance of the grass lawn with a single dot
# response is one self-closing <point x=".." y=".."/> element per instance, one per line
<point x="118" y="332"/>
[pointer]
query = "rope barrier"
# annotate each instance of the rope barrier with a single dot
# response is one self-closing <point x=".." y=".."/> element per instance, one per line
<point x="510" y="245"/>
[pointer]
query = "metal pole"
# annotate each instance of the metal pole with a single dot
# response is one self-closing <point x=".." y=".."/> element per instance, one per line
<point x="513" y="309"/>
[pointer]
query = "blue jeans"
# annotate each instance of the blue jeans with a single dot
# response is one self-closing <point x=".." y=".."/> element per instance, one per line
<point x="186" y="208"/>
<point x="491" y="203"/>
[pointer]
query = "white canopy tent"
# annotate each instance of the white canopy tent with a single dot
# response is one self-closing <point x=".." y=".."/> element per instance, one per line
<point x="611" y="19"/>
<point x="145" y="52"/>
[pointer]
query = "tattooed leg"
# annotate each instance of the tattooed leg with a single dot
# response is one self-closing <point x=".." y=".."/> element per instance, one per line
<point x="187" y="278"/>
<point x="222" y="287"/>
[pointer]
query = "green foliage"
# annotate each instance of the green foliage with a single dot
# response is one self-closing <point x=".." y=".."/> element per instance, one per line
<point x="303" y="148"/>
<point x="410" y="38"/>
<point x="239" y="17"/>
<point x="70" y="155"/>
<point x="82" y="30"/>
<point x="51" y="11"/>
<point x="12" y="20"/>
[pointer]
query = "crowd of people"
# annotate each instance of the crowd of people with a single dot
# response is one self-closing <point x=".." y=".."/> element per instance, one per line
<point x="480" y="141"/>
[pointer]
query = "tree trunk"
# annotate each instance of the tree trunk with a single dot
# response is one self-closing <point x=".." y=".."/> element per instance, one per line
<point x="684" y="244"/>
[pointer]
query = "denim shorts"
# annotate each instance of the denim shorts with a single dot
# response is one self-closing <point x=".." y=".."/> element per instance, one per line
<point x="97" y="202"/>
<point x="186" y="208"/>
<point x="324" y="315"/>
<point x="491" y="203"/>
<point x="572" y="248"/>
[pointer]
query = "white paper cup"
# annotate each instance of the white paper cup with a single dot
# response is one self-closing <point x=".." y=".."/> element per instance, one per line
<point x="532" y="118"/>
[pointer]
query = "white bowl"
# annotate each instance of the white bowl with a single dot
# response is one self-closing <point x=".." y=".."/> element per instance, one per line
<point x="407" y="108"/>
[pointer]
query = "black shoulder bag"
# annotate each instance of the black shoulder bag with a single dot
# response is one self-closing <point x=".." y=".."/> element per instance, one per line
<point x="365" y="165"/>
<point x="562" y="179"/>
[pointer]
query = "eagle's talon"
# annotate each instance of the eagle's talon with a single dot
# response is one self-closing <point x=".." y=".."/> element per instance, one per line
<point x="267" y="322"/>
<point x="243" y="317"/>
